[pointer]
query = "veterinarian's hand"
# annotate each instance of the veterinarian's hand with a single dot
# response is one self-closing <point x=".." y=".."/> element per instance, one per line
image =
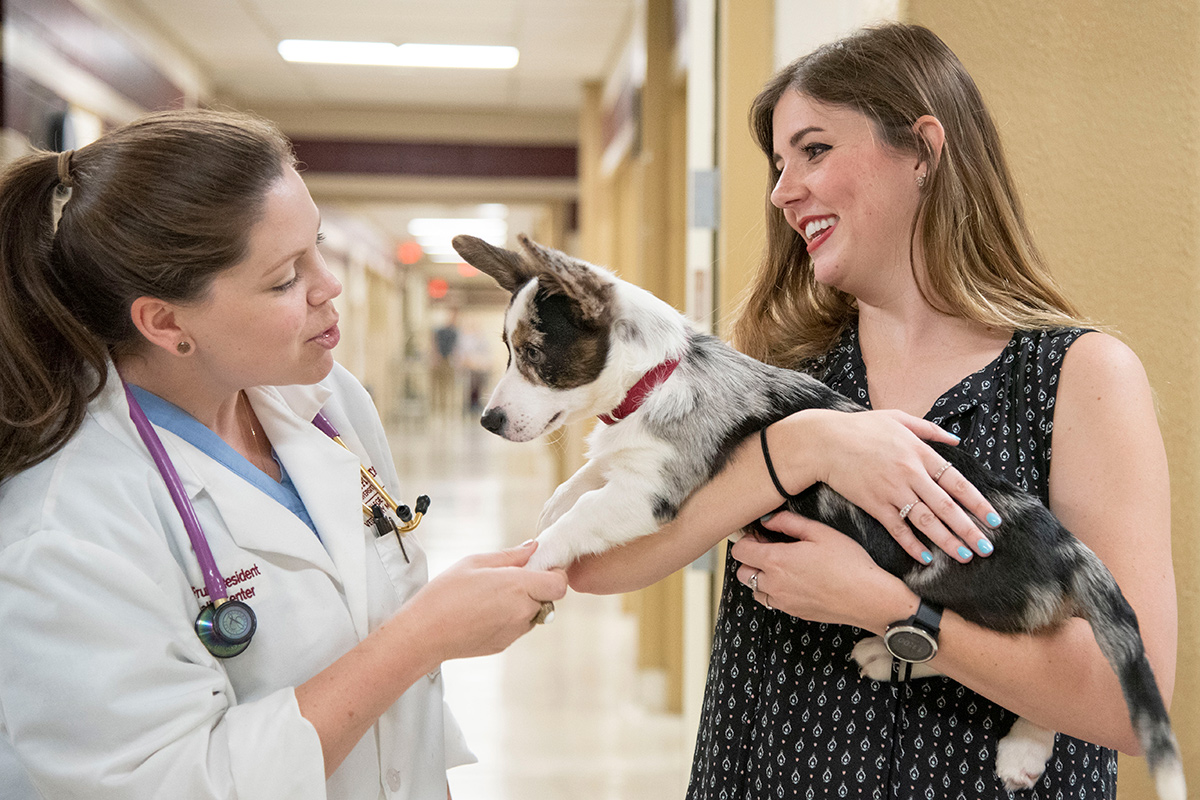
<point x="483" y="603"/>
<point x="824" y="576"/>
<point x="878" y="461"/>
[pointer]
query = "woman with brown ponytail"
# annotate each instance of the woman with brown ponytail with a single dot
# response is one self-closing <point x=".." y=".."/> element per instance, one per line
<point x="171" y="270"/>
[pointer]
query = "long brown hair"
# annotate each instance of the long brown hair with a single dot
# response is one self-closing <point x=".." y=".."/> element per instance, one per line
<point x="981" y="262"/>
<point x="155" y="208"/>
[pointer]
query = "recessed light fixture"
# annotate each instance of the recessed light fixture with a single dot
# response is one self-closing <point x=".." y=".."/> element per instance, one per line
<point x="386" y="54"/>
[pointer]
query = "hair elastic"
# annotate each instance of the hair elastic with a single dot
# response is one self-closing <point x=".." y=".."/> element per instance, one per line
<point x="762" y="437"/>
<point x="64" y="168"/>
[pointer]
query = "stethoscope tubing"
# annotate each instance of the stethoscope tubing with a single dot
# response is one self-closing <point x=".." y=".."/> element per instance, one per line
<point x="223" y="643"/>
<point x="213" y="582"/>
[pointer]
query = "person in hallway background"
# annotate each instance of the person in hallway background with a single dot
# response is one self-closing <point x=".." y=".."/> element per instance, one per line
<point x="476" y="361"/>
<point x="446" y="399"/>
<point x="900" y="270"/>
<point x="184" y="279"/>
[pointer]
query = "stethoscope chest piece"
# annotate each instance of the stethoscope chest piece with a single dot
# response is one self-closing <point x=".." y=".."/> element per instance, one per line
<point x="226" y="627"/>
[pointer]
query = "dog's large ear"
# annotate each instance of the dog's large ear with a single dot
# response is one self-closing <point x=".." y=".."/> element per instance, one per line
<point x="506" y="267"/>
<point x="577" y="280"/>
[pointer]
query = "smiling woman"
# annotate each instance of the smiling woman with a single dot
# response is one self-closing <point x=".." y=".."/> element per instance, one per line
<point x="835" y="180"/>
<point x="165" y="359"/>
<point x="900" y="272"/>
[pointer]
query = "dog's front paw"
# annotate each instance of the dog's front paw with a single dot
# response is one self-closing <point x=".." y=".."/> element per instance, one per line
<point x="555" y="507"/>
<point x="874" y="660"/>
<point x="1022" y="754"/>
<point x="549" y="555"/>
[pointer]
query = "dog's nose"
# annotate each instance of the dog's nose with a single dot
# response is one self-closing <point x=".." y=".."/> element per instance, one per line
<point x="494" y="420"/>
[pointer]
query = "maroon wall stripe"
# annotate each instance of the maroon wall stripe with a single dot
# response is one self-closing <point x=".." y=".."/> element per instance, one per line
<point x="473" y="160"/>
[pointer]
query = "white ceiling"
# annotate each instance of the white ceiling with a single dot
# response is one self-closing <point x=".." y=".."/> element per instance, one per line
<point x="562" y="44"/>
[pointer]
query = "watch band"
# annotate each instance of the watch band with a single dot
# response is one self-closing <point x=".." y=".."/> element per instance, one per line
<point x="928" y="616"/>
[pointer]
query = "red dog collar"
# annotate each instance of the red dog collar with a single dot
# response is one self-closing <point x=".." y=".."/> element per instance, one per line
<point x="640" y="391"/>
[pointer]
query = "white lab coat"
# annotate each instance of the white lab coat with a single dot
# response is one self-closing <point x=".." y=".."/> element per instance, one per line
<point x="105" y="690"/>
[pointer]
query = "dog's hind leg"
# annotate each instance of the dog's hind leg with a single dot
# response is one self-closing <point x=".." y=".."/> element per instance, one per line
<point x="1022" y="754"/>
<point x="875" y="661"/>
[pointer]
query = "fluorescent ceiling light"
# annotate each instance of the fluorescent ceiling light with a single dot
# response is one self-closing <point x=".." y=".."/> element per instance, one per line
<point x="434" y="234"/>
<point x="386" y="54"/>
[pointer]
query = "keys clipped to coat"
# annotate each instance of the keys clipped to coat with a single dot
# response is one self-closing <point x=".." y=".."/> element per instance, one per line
<point x="408" y="520"/>
<point x="374" y="514"/>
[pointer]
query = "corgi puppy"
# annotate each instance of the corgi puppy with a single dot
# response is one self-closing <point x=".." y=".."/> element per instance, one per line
<point x="675" y="403"/>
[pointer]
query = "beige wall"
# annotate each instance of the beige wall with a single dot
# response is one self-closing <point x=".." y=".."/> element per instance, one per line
<point x="1098" y="104"/>
<point x="746" y="60"/>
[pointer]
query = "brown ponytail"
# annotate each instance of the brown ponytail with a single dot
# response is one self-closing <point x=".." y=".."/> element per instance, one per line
<point x="156" y="208"/>
<point x="49" y="362"/>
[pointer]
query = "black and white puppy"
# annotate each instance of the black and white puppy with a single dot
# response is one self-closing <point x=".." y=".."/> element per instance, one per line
<point x="584" y="343"/>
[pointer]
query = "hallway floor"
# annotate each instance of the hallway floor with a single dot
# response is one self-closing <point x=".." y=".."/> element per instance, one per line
<point x="561" y="714"/>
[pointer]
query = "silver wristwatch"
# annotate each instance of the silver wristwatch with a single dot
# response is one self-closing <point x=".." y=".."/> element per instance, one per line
<point x="915" y="639"/>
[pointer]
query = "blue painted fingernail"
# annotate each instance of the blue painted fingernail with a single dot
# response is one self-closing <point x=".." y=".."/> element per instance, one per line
<point x="964" y="553"/>
<point x="927" y="557"/>
<point x="767" y="518"/>
<point x="993" y="519"/>
<point x="985" y="547"/>
<point x="956" y="439"/>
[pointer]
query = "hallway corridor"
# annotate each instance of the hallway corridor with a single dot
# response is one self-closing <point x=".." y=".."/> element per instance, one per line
<point x="560" y="714"/>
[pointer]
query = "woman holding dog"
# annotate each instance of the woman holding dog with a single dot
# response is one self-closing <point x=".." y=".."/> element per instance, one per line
<point x="900" y="270"/>
<point x="181" y="298"/>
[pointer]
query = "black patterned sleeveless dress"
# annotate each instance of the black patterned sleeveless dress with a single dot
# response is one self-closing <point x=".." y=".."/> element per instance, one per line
<point x="785" y="712"/>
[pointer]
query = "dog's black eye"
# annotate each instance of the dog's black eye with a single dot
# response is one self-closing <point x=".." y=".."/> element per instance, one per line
<point x="534" y="355"/>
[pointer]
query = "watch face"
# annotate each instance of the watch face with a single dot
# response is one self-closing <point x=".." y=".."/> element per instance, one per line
<point x="910" y="644"/>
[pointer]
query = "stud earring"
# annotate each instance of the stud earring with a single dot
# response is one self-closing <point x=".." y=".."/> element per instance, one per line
<point x="920" y="181"/>
<point x="184" y="347"/>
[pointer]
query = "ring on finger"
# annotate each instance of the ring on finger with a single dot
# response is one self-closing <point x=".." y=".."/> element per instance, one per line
<point x="938" y="475"/>
<point x="754" y="581"/>
<point x="904" y="512"/>
<point x="545" y="614"/>
<point x="767" y="601"/>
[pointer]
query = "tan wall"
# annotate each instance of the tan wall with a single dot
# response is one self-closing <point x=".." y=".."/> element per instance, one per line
<point x="1098" y="104"/>
<point x="746" y="60"/>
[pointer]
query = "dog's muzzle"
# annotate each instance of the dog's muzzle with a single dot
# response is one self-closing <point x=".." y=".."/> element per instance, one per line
<point x="494" y="420"/>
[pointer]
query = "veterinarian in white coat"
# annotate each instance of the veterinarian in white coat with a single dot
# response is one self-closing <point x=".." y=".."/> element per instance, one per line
<point x="106" y="691"/>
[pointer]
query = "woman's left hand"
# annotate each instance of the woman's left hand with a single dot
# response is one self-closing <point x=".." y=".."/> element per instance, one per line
<point x="824" y="576"/>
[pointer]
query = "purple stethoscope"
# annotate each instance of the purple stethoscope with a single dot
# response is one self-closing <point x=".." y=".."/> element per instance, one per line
<point x="226" y="626"/>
